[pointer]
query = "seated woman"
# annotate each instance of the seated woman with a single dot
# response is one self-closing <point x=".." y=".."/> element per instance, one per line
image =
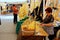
<point x="48" y="23"/>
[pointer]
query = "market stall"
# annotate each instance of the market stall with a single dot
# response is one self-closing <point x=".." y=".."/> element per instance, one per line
<point x="31" y="30"/>
<point x="27" y="27"/>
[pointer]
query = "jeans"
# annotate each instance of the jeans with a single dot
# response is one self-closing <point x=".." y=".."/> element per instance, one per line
<point x="15" y="18"/>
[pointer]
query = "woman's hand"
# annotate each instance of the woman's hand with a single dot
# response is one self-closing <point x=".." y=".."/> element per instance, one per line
<point x="48" y="25"/>
<point x="42" y="24"/>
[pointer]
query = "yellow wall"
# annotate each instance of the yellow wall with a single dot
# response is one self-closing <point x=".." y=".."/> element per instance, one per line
<point x="56" y="13"/>
<point x="34" y="4"/>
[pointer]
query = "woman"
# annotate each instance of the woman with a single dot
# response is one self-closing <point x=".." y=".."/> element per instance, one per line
<point x="48" y="23"/>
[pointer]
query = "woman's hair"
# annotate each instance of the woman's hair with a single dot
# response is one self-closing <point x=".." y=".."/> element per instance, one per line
<point x="49" y="10"/>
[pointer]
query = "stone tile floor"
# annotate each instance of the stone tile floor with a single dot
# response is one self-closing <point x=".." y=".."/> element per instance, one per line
<point x="7" y="28"/>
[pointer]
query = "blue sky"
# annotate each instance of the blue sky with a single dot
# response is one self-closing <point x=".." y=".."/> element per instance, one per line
<point x="13" y="0"/>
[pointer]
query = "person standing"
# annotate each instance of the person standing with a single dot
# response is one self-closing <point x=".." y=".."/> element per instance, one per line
<point x="15" y="12"/>
<point x="48" y="23"/>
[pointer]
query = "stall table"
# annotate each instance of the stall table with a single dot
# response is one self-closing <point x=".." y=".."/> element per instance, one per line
<point x="39" y="36"/>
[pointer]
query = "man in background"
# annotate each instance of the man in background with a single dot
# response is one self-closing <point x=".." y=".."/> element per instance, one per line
<point x="15" y="12"/>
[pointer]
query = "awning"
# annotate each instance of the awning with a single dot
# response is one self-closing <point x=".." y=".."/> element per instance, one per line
<point x="13" y="0"/>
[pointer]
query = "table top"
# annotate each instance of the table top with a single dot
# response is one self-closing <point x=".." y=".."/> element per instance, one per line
<point x="40" y="33"/>
<point x="37" y="29"/>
